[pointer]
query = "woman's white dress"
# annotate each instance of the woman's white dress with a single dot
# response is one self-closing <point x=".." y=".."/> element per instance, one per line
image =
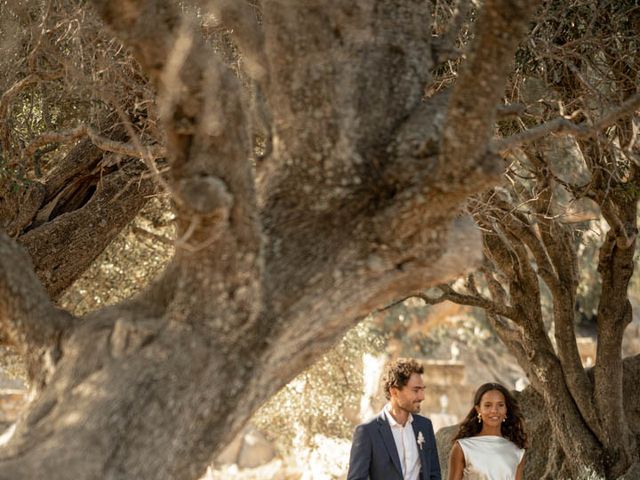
<point x="490" y="457"/>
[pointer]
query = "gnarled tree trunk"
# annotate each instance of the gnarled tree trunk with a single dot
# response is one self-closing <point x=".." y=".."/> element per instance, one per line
<point x="354" y="207"/>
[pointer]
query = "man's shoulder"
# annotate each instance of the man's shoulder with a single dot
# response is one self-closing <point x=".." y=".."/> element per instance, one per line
<point x="421" y="419"/>
<point x="373" y="421"/>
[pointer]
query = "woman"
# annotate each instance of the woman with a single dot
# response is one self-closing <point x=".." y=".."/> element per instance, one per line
<point x="491" y="440"/>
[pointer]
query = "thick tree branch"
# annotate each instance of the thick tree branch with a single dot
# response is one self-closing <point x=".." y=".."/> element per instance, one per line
<point x="472" y="300"/>
<point x="327" y="168"/>
<point x="615" y="266"/>
<point x="480" y="86"/>
<point x="564" y="126"/>
<point x="509" y="256"/>
<point x="558" y="242"/>
<point x="209" y="148"/>
<point x="91" y="220"/>
<point x="100" y="141"/>
<point x="365" y="281"/>
<point x="27" y="314"/>
<point x="511" y="336"/>
<point x="533" y="242"/>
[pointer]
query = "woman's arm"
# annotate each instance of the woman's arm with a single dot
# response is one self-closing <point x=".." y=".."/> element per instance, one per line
<point x="520" y="470"/>
<point x="456" y="463"/>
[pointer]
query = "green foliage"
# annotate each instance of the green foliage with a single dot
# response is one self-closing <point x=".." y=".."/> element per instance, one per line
<point x="325" y="398"/>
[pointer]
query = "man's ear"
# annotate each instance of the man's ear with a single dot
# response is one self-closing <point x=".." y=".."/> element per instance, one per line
<point x="393" y="392"/>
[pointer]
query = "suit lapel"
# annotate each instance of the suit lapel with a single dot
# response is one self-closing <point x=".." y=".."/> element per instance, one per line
<point x="423" y="462"/>
<point x="387" y="437"/>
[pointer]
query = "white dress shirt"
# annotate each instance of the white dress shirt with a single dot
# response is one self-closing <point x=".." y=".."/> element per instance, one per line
<point x="406" y="444"/>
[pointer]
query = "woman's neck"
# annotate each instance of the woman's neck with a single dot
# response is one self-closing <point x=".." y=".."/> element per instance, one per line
<point x="487" y="430"/>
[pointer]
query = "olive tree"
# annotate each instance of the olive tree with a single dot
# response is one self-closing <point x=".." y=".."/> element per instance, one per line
<point x="366" y="158"/>
<point x="557" y="191"/>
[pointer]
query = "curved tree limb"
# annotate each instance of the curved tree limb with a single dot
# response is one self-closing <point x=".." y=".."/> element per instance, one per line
<point x="557" y="242"/>
<point x="27" y="316"/>
<point x="564" y="126"/>
<point x="89" y="225"/>
<point x="209" y="151"/>
<point x="615" y="266"/>
<point x="472" y="300"/>
<point x="480" y="86"/>
<point x="100" y="141"/>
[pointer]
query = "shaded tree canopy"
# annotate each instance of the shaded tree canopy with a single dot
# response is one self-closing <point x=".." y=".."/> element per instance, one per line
<point x="317" y="157"/>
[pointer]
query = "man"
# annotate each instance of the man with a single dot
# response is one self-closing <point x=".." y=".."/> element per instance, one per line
<point x="397" y="444"/>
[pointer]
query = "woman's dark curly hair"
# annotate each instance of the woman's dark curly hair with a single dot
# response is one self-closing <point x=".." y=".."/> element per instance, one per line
<point x="513" y="426"/>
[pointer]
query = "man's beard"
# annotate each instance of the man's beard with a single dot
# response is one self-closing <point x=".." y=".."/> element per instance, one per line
<point x="411" y="407"/>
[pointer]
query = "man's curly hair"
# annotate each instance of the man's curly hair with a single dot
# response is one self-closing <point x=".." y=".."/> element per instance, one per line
<point x="398" y="373"/>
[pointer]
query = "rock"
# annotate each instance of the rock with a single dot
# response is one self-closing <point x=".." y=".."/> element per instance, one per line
<point x="229" y="455"/>
<point x="444" y="438"/>
<point x="256" y="450"/>
<point x="250" y="449"/>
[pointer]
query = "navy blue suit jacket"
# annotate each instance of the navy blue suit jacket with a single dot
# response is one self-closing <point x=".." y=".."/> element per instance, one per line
<point x="374" y="455"/>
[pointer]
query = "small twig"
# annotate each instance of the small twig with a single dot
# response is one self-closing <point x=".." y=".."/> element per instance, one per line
<point x="135" y="138"/>
<point x="153" y="236"/>
<point x="183" y="242"/>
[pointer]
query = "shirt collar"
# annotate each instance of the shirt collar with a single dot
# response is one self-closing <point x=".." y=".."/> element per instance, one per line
<point x="392" y="421"/>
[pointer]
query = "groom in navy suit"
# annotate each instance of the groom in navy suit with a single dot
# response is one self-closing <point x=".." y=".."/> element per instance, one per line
<point x="397" y="444"/>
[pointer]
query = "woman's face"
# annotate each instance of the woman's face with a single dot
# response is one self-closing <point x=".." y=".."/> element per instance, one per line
<point x="492" y="408"/>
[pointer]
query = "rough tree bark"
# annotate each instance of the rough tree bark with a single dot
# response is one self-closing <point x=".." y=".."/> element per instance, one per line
<point x="80" y="206"/>
<point x="353" y="208"/>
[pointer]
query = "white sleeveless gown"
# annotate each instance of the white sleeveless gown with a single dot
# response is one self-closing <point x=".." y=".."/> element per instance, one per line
<point x="490" y="457"/>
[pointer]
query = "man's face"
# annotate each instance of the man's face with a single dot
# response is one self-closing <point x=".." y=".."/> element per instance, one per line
<point x="409" y="397"/>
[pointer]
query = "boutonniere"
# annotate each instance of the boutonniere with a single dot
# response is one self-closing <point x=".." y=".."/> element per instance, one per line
<point x="420" y="440"/>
